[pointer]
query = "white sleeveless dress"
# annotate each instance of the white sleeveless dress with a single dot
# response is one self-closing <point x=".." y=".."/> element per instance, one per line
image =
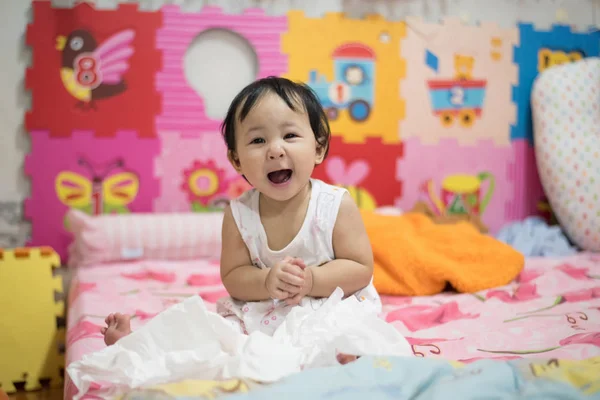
<point x="313" y="244"/>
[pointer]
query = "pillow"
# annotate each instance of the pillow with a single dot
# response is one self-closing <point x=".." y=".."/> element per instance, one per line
<point x="125" y="237"/>
<point x="566" y="121"/>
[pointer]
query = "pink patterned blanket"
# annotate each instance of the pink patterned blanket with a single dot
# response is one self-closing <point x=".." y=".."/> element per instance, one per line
<point x="552" y="310"/>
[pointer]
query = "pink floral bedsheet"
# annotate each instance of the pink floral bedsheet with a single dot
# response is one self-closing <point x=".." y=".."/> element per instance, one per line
<point x="552" y="310"/>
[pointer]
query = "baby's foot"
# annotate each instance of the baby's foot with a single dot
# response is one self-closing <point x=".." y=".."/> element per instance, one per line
<point x="346" y="358"/>
<point x="118" y="327"/>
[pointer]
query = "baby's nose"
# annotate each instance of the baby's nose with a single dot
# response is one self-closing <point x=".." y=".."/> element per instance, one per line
<point x="276" y="152"/>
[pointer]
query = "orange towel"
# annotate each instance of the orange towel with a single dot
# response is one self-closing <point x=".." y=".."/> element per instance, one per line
<point x="416" y="257"/>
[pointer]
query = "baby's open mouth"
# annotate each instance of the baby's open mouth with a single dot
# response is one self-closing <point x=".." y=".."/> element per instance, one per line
<point x="279" y="177"/>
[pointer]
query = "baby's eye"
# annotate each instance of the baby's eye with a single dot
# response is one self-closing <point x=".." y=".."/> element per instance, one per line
<point x="257" y="141"/>
<point x="290" y="135"/>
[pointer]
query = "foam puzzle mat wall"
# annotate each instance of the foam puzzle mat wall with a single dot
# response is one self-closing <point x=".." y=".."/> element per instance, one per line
<point x="183" y="109"/>
<point x="355" y="68"/>
<point x="419" y="111"/>
<point x="92" y="69"/>
<point x="92" y="174"/>
<point x="194" y="173"/>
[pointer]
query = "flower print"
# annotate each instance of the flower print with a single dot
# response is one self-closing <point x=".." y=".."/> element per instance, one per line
<point x="574" y="272"/>
<point x="168" y="302"/>
<point x="83" y="329"/>
<point x="71" y="390"/>
<point x="578" y="338"/>
<point x="582" y="295"/>
<point x="202" y="181"/>
<point x="528" y="275"/>
<point x="203" y="280"/>
<point x="78" y="289"/>
<point x="571" y="297"/>
<point x="143" y="316"/>
<point x="582" y="338"/>
<point x="212" y="297"/>
<point x="524" y="292"/>
<point x="423" y="317"/>
<point x="165" y="277"/>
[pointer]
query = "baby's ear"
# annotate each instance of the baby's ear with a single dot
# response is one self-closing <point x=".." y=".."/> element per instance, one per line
<point x="320" y="156"/>
<point x="234" y="160"/>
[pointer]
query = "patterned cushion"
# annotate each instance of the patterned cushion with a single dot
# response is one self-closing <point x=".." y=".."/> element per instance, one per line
<point x="566" y="118"/>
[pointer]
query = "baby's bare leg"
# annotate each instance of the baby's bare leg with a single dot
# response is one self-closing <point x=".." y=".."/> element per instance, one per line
<point x="118" y="326"/>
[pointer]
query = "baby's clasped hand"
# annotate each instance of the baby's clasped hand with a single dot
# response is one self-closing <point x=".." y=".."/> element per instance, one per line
<point x="306" y="288"/>
<point x="287" y="279"/>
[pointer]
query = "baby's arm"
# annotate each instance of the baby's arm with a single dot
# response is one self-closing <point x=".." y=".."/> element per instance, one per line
<point x="352" y="268"/>
<point x="242" y="280"/>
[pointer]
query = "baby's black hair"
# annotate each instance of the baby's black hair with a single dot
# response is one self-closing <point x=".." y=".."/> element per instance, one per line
<point x="293" y="93"/>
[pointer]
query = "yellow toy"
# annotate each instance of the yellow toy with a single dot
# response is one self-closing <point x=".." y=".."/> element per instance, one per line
<point x="32" y="319"/>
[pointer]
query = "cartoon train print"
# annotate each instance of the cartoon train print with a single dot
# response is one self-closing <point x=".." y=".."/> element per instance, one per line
<point x="353" y="86"/>
<point x="459" y="98"/>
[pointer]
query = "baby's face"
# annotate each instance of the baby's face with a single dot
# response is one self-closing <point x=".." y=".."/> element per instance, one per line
<point x="276" y="148"/>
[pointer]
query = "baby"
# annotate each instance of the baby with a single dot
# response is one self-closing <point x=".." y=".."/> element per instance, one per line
<point x="291" y="240"/>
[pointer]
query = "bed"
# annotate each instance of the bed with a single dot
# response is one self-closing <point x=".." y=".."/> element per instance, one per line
<point x="550" y="312"/>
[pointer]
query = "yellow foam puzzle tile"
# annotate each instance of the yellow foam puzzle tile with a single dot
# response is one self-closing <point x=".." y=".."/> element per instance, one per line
<point x="30" y="340"/>
<point x="351" y="64"/>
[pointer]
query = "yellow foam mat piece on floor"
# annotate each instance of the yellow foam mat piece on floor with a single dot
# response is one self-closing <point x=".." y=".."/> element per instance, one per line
<point x="32" y="319"/>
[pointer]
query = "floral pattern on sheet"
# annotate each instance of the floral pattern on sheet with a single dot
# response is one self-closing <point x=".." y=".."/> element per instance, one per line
<point x="552" y="310"/>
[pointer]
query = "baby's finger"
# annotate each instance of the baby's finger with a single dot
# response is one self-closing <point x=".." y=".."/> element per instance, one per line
<point x="286" y="287"/>
<point x="294" y="301"/>
<point x="103" y="330"/>
<point x="281" y="294"/>
<point x="292" y="279"/>
<point x="293" y="269"/>
<point x="287" y="259"/>
<point x="299" y="262"/>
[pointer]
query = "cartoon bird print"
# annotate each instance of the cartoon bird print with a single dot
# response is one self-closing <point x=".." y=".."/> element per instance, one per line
<point x="90" y="71"/>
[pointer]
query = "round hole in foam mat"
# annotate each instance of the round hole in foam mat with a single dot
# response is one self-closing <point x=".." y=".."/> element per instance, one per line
<point x="217" y="65"/>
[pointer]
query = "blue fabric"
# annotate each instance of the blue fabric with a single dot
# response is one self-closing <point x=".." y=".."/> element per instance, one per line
<point x="535" y="238"/>
<point x="426" y="378"/>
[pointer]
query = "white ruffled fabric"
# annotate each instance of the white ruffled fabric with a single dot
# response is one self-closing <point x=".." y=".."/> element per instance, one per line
<point x="187" y="341"/>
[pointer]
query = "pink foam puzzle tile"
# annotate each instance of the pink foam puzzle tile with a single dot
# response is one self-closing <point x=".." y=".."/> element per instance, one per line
<point x="95" y="175"/>
<point x="183" y="110"/>
<point x="438" y="174"/>
<point x="523" y="173"/>
<point x="194" y="173"/>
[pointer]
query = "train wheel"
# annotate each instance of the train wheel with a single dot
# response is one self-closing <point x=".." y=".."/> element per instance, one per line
<point x="359" y="110"/>
<point x="467" y="118"/>
<point x="446" y="118"/>
<point x="332" y="113"/>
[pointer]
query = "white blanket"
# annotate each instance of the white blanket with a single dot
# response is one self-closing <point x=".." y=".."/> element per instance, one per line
<point x="187" y="341"/>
